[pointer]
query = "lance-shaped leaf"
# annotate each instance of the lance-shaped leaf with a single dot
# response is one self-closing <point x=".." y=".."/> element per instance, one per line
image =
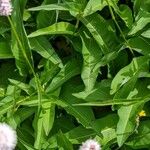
<point x="110" y="102"/>
<point x="93" y="60"/>
<point x="44" y="48"/>
<point x="101" y="31"/>
<point x="76" y="7"/>
<point x="25" y="139"/>
<point x="20" y="44"/>
<point x="104" y="124"/>
<point x="128" y="72"/>
<point x="131" y="88"/>
<point x="80" y="134"/>
<point x="123" y="11"/>
<point x="84" y="115"/>
<point x="91" y="57"/>
<point x="48" y="117"/>
<point x="96" y="5"/>
<point x="57" y="28"/>
<point x="128" y="123"/>
<point x="141" y="20"/>
<point x="71" y="69"/>
<point x="50" y="7"/>
<point x="43" y="123"/>
<point x="25" y="87"/>
<point x="46" y="18"/>
<point x="63" y="141"/>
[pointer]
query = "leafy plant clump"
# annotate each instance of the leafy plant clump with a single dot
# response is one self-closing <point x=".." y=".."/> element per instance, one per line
<point x="73" y="70"/>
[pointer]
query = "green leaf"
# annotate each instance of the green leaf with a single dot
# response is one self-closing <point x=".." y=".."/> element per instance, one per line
<point x="110" y="102"/>
<point x="95" y="5"/>
<point x="127" y="124"/>
<point x="63" y="142"/>
<point x="146" y="33"/>
<point x="50" y="7"/>
<point x="102" y="124"/>
<point x="125" y="91"/>
<point x="124" y="84"/>
<point x="91" y="55"/>
<point x="140" y="45"/>
<point x="125" y="14"/>
<point x="44" y="48"/>
<point x="80" y="134"/>
<point x="25" y="139"/>
<point x="141" y="20"/>
<point x="6" y="105"/>
<point x="20" y="116"/>
<point x="39" y="130"/>
<point x="84" y="115"/>
<point x="26" y="15"/>
<point x="109" y="136"/>
<point x="123" y="11"/>
<point x="96" y="93"/>
<point x="46" y="18"/>
<point x="101" y="92"/>
<point x="126" y="73"/>
<point x="59" y="124"/>
<point x="114" y="66"/>
<point x="48" y="117"/>
<point x="48" y="74"/>
<point x="142" y="138"/>
<point x="57" y="28"/>
<point x="25" y="87"/>
<point x="102" y="32"/>
<point x="76" y="7"/>
<point x="70" y="69"/>
<point x="33" y="101"/>
<point x="20" y="44"/>
<point x="138" y="5"/>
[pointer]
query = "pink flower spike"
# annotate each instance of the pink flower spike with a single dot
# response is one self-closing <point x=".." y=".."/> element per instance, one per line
<point x="5" y="8"/>
<point x="90" y="145"/>
<point x="8" y="137"/>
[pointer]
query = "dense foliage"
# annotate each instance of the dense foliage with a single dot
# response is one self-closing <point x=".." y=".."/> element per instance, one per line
<point x="76" y="69"/>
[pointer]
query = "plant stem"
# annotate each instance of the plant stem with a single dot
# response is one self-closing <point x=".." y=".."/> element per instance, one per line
<point x="38" y="85"/>
<point x="113" y="17"/>
<point x="77" y="23"/>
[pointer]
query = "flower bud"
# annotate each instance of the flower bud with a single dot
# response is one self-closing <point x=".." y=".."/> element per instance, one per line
<point x="5" y="8"/>
<point x="90" y="145"/>
<point x="8" y="137"/>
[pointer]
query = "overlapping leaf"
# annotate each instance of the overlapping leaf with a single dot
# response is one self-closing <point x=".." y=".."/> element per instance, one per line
<point x="102" y="32"/>
<point x="20" y="44"/>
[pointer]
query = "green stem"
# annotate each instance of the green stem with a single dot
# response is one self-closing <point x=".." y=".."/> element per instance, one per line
<point x="57" y="12"/>
<point x="77" y="23"/>
<point x="37" y="81"/>
<point x="113" y="17"/>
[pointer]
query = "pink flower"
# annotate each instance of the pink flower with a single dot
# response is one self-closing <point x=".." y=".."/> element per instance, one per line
<point x="8" y="137"/>
<point x="5" y="8"/>
<point x="90" y="145"/>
